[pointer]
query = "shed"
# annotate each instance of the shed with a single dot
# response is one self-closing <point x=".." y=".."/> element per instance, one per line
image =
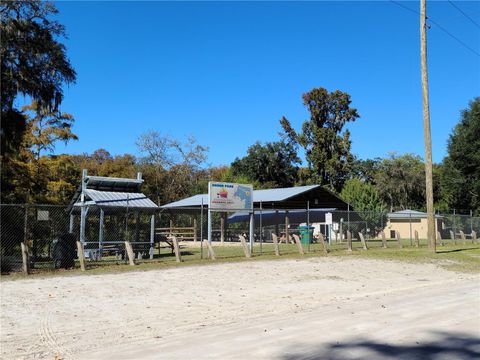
<point x="112" y="196"/>
<point x="406" y="222"/>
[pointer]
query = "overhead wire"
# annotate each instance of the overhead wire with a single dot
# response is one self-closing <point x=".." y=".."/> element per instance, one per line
<point x="439" y="27"/>
<point x="464" y="14"/>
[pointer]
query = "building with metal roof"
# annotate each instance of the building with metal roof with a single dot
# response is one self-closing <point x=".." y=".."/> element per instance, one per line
<point x="407" y="222"/>
<point x="297" y="197"/>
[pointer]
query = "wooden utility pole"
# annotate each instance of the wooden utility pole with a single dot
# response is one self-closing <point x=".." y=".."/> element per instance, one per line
<point x="426" y="128"/>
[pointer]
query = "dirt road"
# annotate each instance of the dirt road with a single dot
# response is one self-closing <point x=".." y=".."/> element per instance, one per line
<point x="318" y="308"/>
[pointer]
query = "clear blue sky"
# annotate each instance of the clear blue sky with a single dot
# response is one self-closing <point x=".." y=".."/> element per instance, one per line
<point x="227" y="72"/>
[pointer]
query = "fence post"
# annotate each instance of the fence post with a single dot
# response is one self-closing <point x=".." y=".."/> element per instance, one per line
<point x="384" y="240"/>
<point x="81" y="255"/>
<point x="349" y="240"/>
<point x="417" y="240"/>
<point x="194" y="229"/>
<point x="362" y="239"/>
<point x="129" y="249"/>
<point x="452" y="236"/>
<point x="246" y="249"/>
<point x="25" y="258"/>
<point x="211" y="253"/>
<point x="474" y="236"/>
<point x="299" y="244"/>
<point x="322" y="241"/>
<point x="275" y="244"/>
<point x="176" y="248"/>
<point x="462" y="236"/>
<point x="399" y="240"/>
<point x="439" y="238"/>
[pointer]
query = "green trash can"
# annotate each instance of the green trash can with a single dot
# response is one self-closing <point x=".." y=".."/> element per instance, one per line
<point x="306" y="234"/>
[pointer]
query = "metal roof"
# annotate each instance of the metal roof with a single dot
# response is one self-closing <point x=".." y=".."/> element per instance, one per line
<point x="266" y="195"/>
<point x="409" y="214"/>
<point x="117" y="199"/>
<point x="112" y="183"/>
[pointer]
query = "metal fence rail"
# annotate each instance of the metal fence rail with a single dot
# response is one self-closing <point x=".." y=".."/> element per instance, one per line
<point x="50" y="233"/>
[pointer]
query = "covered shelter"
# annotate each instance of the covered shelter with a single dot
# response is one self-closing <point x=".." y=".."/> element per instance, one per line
<point x="274" y="205"/>
<point x="111" y="196"/>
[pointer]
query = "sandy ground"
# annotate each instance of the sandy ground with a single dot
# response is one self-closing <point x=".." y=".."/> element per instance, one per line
<point x="314" y="308"/>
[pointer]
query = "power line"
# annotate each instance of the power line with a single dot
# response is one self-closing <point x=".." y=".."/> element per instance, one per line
<point x="464" y="14"/>
<point x="439" y="26"/>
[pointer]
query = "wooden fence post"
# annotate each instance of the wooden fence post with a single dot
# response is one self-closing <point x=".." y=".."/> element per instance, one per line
<point x="25" y="258"/>
<point x="194" y="230"/>
<point x="299" y="244"/>
<point x="462" y="236"/>
<point x="384" y="239"/>
<point x="349" y="241"/>
<point x="439" y="238"/>
<point x="246" y="249"/>
<point x="130" y="255"/>
<point x="275" y="244"/>
<point x="452" y="236"/>
<point x="362" y="239"/>
<point x="417" y="240"/>
<point x="474" y="236"/>
<point x="176" y="249"/>
<point x="211" y="253"/>
<point x="321" y="238"/>
<point x="81" y="255"/>
<point x="399" y="239"/>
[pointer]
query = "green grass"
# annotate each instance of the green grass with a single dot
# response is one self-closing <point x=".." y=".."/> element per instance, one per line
<point x="456" y="257"/>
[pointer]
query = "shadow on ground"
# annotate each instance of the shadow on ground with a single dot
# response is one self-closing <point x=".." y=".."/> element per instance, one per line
<point x="442" y="346"/>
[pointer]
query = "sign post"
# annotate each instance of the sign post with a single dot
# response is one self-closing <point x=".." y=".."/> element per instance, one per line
<point x="329" y="223"/>
<point x="227" y="197"/>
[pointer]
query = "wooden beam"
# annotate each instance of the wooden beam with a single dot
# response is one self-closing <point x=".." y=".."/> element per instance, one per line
<point x="362" y="239"/>
<point x="81" y="255"/>
<point x="246" y="249"/>
<point x="275" y="244"/>
<point x="25" y="258"/>
<point x="130" y="255"/>
<point x="384" y="239"/>
<point x="299" y="244"/>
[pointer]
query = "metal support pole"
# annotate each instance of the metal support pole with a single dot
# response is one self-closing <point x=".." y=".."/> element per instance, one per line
<point x="100" y="233"/>
<point x="137" y="226"/>
<point x="152" y="235"/>
<point x="410" y="216"/>
<point x="209" y="226"/>
<point x="286" y="227"/>
<point x="222" y="228"/>
<point x="201" y="230"/>
<point x="261" y="229"/>
<point x="82" y="223"/>
<point x="252" y="228"/>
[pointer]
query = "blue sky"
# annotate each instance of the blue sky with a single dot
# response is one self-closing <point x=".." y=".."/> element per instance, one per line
<point x="226" y="72"/>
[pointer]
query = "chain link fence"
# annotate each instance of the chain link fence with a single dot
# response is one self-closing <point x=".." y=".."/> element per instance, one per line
<point x="51" y="233"/>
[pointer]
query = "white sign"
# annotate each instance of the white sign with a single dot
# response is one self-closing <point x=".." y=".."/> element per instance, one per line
<point x="328" y="219"/>
<point x="227" y="196"/>
<point x="42" y="215"/>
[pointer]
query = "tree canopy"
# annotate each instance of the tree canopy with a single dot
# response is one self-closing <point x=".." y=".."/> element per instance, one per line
<point x="274" y="163"/>
<point x="461" y="170"/>
<point x="326" y="144"/>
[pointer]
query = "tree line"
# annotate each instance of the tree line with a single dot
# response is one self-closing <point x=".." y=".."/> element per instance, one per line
<point x="34" y="64"/>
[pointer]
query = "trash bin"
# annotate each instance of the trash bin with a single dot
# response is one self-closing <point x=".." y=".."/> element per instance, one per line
<point x="306" y="234"/>
<point x="65" y="251"/>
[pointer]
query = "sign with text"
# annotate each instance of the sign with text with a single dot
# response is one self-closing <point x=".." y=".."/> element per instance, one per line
<point x="228" y="196"/>
<point x="328" y="218"/>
